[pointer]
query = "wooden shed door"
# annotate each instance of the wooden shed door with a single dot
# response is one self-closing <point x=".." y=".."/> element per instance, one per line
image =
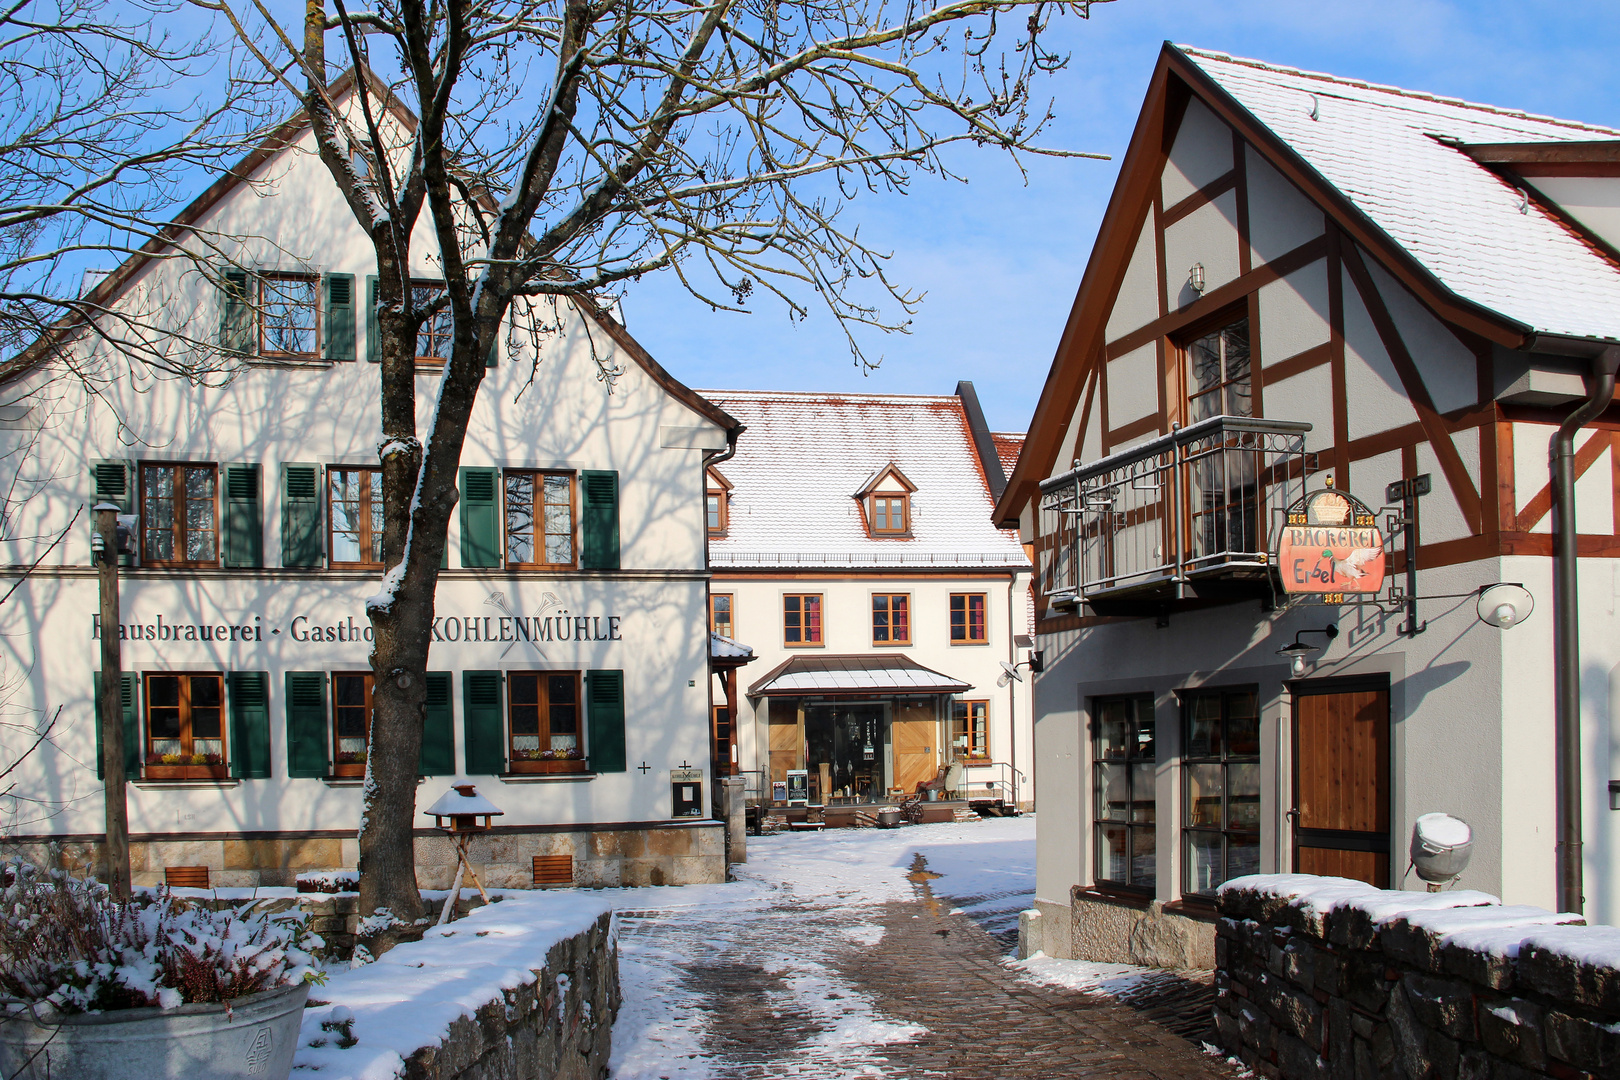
<point x="915" y="732"/>
<point x="1341" y="780"/>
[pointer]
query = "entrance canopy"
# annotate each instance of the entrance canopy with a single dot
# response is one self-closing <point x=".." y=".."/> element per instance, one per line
<point x="862" y="675"/>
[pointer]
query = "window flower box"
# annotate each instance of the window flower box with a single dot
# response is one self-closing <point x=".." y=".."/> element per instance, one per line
<point x="349" y="764"/>
<point x="185" y="767"/>
<point x="548" y="765"/>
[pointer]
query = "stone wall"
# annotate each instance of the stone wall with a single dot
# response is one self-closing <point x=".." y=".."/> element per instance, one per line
<point x="674" y="854"/>
<point x="557" y="1025"/>
<point x="1116" y="930"/>
<point x="1326" y="977"/>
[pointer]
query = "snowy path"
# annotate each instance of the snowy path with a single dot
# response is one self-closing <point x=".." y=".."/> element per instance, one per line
<point x="833" y="957"/>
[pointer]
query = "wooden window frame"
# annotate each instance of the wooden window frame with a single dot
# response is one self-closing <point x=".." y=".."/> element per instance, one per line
<point x="967" y="637"/>
<point x="1188" y="831"/>
<point x="1184" y="341"/>
<point x="353" y="767"/>
<point x="372" y="496"/>
<point x="1130" y="763"/>
<point x="820" y="621"/>
<point x="545" y="735"/>
<point x="962" y="727"/>
<point x="537" y="522"/>
<point x="265" y="277"/>
<point x="904" y="528"/>
<point x="731" y="621"/>
<point x="186" y="769"/>
<point x="888" y="606"/>
<point x="430" y="329"/>
<point x="178" y="526"/>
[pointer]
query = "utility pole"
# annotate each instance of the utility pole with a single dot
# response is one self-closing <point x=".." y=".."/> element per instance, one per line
<point x="110" y="707"/>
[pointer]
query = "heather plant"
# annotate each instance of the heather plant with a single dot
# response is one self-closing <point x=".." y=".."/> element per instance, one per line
<point x="67" y="944"/>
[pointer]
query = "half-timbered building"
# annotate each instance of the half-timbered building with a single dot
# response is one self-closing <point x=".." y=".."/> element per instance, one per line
<point x="1306" y="283"/>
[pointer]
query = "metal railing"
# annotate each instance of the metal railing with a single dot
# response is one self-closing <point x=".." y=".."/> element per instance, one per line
<point x="1195" y="502"/>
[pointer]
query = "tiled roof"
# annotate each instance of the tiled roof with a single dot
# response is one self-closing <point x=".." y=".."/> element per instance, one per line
<point x="891" y="672"/>
<point x="804" y="456"/>
<point x="1008" y="444"/>
<point x="1382" y="148"/>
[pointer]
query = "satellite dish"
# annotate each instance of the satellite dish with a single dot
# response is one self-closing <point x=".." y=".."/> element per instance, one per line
<point x="1010" y="672"/>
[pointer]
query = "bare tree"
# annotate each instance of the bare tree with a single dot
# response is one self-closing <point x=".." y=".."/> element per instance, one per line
<point x="562" y="148"/>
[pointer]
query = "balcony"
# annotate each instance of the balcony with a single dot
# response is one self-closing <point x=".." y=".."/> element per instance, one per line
<point x="1181" y="521"/>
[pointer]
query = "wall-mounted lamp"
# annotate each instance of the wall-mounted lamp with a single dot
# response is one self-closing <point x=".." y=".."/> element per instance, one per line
<point x="1195" y="277"/>
<point x="1504" y="605"/>
<point x="1297" y="653"/>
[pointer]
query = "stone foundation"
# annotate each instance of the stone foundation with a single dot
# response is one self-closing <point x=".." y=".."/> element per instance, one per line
<point x="674" y="854"/>
<point x="1319" y="978"/>
<point x="1111" y="930"/>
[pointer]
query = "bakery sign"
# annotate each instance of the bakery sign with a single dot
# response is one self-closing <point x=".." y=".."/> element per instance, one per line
<point x="1329" y="550"/>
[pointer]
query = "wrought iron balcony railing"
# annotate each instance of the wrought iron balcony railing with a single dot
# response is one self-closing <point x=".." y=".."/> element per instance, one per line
<point x="1173" y="515"/>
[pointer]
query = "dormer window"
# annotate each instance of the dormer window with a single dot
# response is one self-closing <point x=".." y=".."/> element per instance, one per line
<point x="885" y="501"/>
<point x="716" y="500"/>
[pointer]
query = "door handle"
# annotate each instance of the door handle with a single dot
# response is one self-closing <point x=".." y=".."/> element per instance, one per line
<point x="1293" y="816"/>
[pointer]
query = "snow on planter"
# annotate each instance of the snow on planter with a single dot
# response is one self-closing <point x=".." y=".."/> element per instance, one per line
<point x="411" y="998"/>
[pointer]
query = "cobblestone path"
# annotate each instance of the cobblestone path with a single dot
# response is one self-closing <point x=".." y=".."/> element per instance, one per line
<point x="904" y="989"/>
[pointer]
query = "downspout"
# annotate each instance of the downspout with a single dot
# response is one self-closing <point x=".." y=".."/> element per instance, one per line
<point x="1567" y="631"/>
<point x="711" y="459"/>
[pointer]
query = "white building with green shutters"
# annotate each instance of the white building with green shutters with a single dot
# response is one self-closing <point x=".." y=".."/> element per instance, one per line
<point x="569" y="659"/>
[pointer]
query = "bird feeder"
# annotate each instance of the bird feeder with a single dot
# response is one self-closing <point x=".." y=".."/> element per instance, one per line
<point x="463" y="813"/>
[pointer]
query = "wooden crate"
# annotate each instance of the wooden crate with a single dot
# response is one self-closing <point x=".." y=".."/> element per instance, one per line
<point x="553" y="869"/>
<point x="185" y="877"/>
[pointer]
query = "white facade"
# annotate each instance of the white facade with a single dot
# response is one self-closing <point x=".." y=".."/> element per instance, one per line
<point x="799" y="523"/>
<point x="542" y="406"/>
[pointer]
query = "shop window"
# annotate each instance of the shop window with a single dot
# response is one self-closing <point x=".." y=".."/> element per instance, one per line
<point x="543" y="717"/>
<point x="351" y="723"/>
<point x="355" y="516"/>
<point x="185" y="726"/>
<point x="433" y="337"/>
<point x="179" y="515"/>
<point x="967" y="619"/>
<point x="539" y="520"/>
<point x="1221" y="769"/>
<point x="970" y="730"/>
<point x="1218" y="377"/>
<point x="891" y="619"/>
<point x="1123" y="754"/>
<point x="801" y="619"/>
<point x="720" y="614"/>
<point x="289" y="316"/>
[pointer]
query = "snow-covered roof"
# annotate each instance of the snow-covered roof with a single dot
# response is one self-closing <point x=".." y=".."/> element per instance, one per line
<point x="724" y="648"/>
<point x="454" y="802"/>
<point x="887" y="673"/>
<point x="1008" y="444"/>
<point x="805" y="455"/>
<point x="1385" y="149"/>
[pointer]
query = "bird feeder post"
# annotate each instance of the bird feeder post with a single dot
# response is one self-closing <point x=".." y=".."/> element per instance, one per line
<point x="458" y="812"/>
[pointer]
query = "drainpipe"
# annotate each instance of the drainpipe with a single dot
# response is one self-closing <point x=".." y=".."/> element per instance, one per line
<point x="1567" y="630"/>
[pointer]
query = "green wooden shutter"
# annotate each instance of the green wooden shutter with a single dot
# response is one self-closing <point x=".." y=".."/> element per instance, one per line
<point x="244" y="517"/>
<point x="132" y="728"/>
<point x="604" y="694"/>
<point x="235" y="314"/>
<point x="300" y="514"/>
<point x="438" y="730"/>
<point x="250" y="724"/>
<point x="306" y="723"/>
<point x="486" y="728"/>
<point x="480" y="517"/>
<point x="339" y="292"/>
<point x="599" y="527"/>
<point x="113" y="480"/>
<point x="373" y="352"/>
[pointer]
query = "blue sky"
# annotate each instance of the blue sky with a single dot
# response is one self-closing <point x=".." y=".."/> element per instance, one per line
<point x="1000" y="261"/>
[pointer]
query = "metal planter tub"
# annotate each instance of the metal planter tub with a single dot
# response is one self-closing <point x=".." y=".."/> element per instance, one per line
<point x="254" y="1037"/>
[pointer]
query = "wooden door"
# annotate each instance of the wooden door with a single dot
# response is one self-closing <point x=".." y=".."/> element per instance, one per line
<point x="786" y="739"/>
<point x="914" y="734"/>
<point x="1341" y="806"/>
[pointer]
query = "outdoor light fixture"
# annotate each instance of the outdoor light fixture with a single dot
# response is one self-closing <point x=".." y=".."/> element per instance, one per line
<point x="1504" y="605"/>
<point x="1195" y="277"/>
<point x="1297" y="652"/>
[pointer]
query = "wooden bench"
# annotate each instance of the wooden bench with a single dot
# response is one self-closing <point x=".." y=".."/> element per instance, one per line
<point x="553" y="869"/>
<point x="186" y="877"/>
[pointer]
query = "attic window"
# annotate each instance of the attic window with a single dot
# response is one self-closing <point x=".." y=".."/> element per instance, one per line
<point x="886" y="502"/>
<point x="716" y="500"/>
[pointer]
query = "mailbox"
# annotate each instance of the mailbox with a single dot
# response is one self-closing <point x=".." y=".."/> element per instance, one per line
<point x="686" y="792"/>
